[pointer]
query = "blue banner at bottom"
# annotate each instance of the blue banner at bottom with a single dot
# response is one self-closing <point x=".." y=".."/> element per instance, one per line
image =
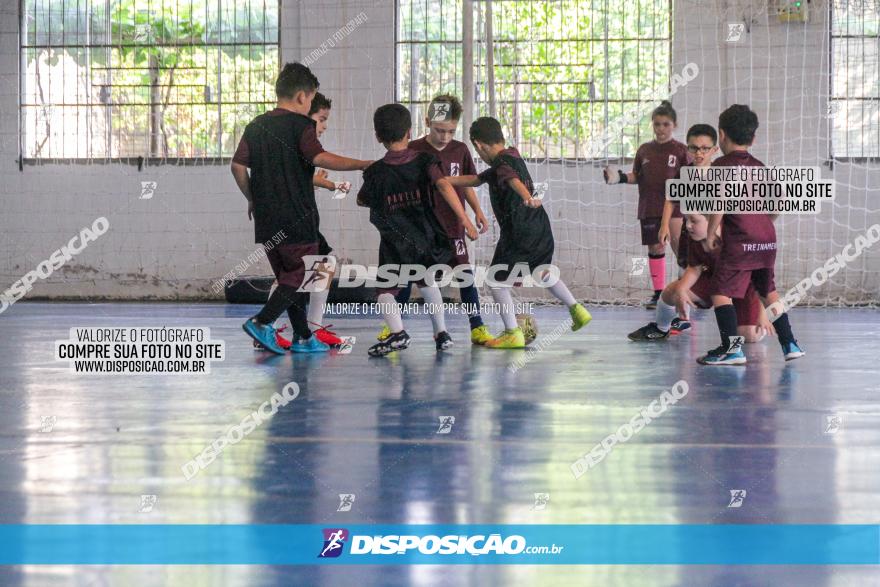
<point x="440" y="544"/>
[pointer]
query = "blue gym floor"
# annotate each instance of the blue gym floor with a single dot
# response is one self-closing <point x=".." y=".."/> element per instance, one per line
<point x="368" y="427"/>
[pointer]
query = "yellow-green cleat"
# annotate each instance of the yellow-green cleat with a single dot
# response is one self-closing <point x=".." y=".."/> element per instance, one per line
<point x="509" y="339"/>
<point x="579" y="317"/>
<point x="480" y="335"/>
<point x="384" y="333"/>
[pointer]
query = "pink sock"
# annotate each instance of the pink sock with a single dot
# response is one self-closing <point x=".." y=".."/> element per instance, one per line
<point x="658" y="272"/>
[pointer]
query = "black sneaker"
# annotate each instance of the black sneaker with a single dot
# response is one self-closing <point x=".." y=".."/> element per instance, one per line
<point x="395" y="342"/>
<point x="724" y="355"/>
<point x="651" y="304"/>
<point x="648" y="333"/>
<point x="678" y="326"/>
<point x="443" y="340"/>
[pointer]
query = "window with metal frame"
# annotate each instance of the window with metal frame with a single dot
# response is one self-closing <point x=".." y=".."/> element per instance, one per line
<point x="568" y="79"/>
<point x="854" y="105"/>
<point x="164" y="79"/>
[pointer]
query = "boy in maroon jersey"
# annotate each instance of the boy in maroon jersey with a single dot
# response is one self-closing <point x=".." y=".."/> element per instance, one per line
<point x="748" y="249"/>
<point x="694" y="289"/>
<point x="397" y="190"/>
<point x="444" y="112"/>
<point x="274" y="167"/>
<point x="655" y="162"/>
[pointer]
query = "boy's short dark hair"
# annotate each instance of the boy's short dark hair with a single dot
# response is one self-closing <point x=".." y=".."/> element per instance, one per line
<point x="703" y="130"/>
<point x="487" y="130"/>
<point x="739" y="123"/>
<point x="455" y="108"/>
<point x="319" y="102"/>
<point x="665" y="109"/>
<point x="295" y="78"/>
<point x="391" y="122"/>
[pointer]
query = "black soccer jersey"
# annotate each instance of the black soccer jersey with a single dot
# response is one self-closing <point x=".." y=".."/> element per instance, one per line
<point x="280" y="147"/>
<point x="526" y="236"/>
<point x="397" y="190"/>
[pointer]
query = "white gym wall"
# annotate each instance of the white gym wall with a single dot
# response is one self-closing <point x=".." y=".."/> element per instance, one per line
<point x="194" y="229"/>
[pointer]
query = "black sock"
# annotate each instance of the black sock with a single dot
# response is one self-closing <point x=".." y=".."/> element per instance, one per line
<point x="783" y="328"/>
<point x="279" y="301"/>
<point x="726" y="317"/>
<point x="298" y="317"/>
<point x="657" y="293"/>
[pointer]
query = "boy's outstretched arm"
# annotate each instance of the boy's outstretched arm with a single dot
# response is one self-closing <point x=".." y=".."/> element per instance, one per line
<point x="470" y="197"/>
<point x="464" y="181"/>
<point x="448" y="192"/>
<point x="242" y="180"/>
<point x="523" y="192"/>
<point x="334" y="162"/>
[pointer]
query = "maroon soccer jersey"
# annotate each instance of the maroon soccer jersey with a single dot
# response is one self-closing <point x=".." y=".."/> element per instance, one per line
<point x="748" y="240"/>
<point x="654" y="164"/>
<point x="455" y="160"/>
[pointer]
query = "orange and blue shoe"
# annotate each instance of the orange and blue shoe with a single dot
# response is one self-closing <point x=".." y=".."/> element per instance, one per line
<point x="327" y="336"/>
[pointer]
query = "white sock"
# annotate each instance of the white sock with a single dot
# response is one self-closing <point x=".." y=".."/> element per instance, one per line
<point x="315" y="315"/>
<point x="665" y="314"/>
<point x="502" y="297"/>
<point x="390" y="312"/>
<point x="434" y="299"/>
<point x="562" y="294"/>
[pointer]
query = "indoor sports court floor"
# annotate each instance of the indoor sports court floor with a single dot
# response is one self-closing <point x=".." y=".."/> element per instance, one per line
<point x="797" y="438"/>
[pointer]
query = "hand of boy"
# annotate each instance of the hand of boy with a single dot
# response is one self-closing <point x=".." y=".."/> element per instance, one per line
<point x="470" y="230"/>
<point x="482" y="222"/>
<point x="250" y="210"/>
<point x="533" y="203"/>
<point x="713" y="241"/>
<point x="684" y="302"/>
<point x="611" y="175"/>
<point x="663" y="234"/>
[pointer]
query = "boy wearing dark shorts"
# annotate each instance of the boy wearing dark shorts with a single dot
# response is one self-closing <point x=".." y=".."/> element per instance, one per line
<point x="274" y="167"/>
<point x="526" y="236"/>
<point x="748" y="249"/>
<point x="398" y="190"/>
<point x="444" y="112"/>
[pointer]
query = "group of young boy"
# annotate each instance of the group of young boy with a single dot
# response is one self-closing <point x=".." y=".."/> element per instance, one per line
<point x="416" y="195"/>
<point x="727" y="259"/>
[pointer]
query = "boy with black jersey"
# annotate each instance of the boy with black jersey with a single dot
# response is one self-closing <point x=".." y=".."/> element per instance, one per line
<point x="526" y="236"/>
<point x="748" y="249"/>
<point x="274" y="167"/>
<point x="397" y="189"/>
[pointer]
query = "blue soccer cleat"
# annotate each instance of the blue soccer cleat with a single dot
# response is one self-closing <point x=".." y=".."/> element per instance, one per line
<point x="264" y="334"/>
<point x="309" y="345"/>
<point x="724" y="355"/>
<point x="792" y="351"/>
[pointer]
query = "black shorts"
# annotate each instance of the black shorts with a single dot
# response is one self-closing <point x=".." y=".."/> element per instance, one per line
<point x="650" y="231"/>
